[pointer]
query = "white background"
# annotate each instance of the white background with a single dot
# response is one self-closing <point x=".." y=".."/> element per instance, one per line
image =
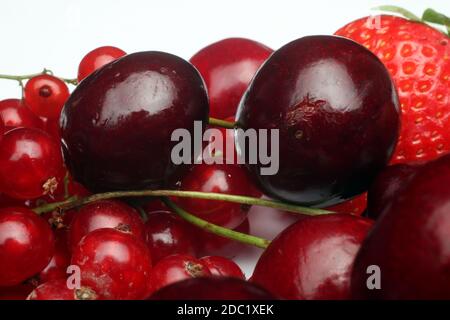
<point x="55" y="34"/>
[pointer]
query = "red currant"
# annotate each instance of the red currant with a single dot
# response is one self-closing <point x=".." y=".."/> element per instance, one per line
<point x="30" y="163"/>
<point x="115" y="264"/>
<point x="227" y="67"/>
<point x="19" y="292"/>
<point x="58" y="290"/>
<point x="229" y="179"/>
<point x="57" y="267"/>
<point x="168" y="234"/>
<point x="26" y="245"/>
<point x="220" y="266"/>
<point x="175" y="268"/>
<point x="45" y="95"/>
<point x="14" y="113"/>
<point x="105" y="214"/>
<point x="97" y="58"/>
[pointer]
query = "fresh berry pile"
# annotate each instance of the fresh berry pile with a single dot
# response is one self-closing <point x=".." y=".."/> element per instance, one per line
<point x="93" y="206"/>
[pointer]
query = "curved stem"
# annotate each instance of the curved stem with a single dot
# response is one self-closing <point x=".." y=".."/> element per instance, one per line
<point x="222" y="123"/>
<point x="218" y="230"/>
<point x="20" y="78"/>
<point x="182" y="194"/>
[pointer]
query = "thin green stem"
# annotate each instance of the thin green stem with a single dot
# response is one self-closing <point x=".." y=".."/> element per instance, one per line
<point x="21" y="78"/>
<point x="218" y="230"/>
<point x="222" y="123"/>
<point x="183" y="194"/>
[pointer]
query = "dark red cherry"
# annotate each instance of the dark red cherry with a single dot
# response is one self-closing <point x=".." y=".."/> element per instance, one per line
<point x="337" y="113"/>
<point x="45" y="95"/>
<point x="175" y="268"/>
<point x="58" y="290"/>
<point x="19" y="292"/>
<point x="105" y="214"/>
<point x="356" y="205"/>
<point x="212" y="289"/>
<point x="228" y="66"/>
<point x="313" y="258"/>
<point x="96" y="59"/>
<point x="386" y="187"/>
<point x="115" y="264"/>
<point x="30" y="163"/>
<point x="219" y="178"/>
<point x="117" y="124"/>
<point x="26" y="245"/>
<point x="410" y="241"/>
<point x="223" y="267"/>
<point x="168" y="234"/>
<point x="14" y="114"/>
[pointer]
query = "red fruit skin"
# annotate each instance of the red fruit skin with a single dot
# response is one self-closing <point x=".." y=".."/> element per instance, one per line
<point x="116" y="265"/>
<point x="355" y="206"/>
<point x="45" y="95"/>
<point x="96" y="59"/>
<point x="57" y="267"/>
<point x="105" y="214"/>
<point x="58" y="290"/>
<point x="19" y="292"/>
<point x="223" y="267"/>
<point x="219" y="178"/>
<point x="417" y="57"/>
<point x="386" y="187"/>
<point x="168" y="234"/>
<point x="410" y="241"/>
<point x="212" y="289"/>
<point x="176" y="268"/>
<point x="313" y="258"/>
<point x="26" y="245"/>
<point x="14" y="114"/>
<point x="29" y="159"/>
<point x="228" y="66"/>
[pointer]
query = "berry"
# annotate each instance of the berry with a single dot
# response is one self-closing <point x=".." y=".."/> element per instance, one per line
<point x="58" y="290"/>
<point x="19" y="292"/>
<point x="386" y="187"/>
<point x="175" y="268"/>
<point x="410" y="240"/>
<point x="228" y="66"/>
<point x="168" y="234"/>
<point x="356" y="205"/>
<point x="30" y="163"/>
<point x="96" y="59"/>
<point x="14" y="114"/>
<point x="145" y="94"/>
<point x="219" y="178"/>
<point x="212" y="289"/>
<point x="57" y="267"/>
<point x="416" y="56"/>
<point x="337" y="113"/>
<point x="313" y="258"/>
<point x="26" y="245"/>
<point x="45" y="95"/>
<point x="115" y="264"/>
<point x="105" y="214"/>
<point x="220" y="266"/>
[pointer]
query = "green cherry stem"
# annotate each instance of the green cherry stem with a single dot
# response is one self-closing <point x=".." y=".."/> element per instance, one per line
<point x="182" y="194"/>
<point x="222" y="123"/>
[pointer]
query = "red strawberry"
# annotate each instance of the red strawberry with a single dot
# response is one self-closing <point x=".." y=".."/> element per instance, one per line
<point x="418" y="59"/>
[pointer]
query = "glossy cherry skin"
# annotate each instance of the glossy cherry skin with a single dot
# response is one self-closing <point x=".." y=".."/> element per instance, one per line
<point x="116" y="265"/>
<point x="212" y="289"/>
<point x="228" y="66"/>
<point x="14" y="114"/>
<point x="45" y="95"/>
<point x="58" y="290"/>
<point x="117" y="124"/>
<point x="356" y="205"/>
<point x="219" y="178"/>
<point x="168" y="234"/>
<point x="386" y="187"/>
<point x="313" y="258"/>
<point x="96" y="59"/>
<point x="26" y="245"/>
<point x="105" y="214"/>
<point x="57" y="267"/>
<point x="410" y="241"/>
<point x="30" y="163"/>
<point x="337" y="113"/>
<point x="175" y="268"/>
<point x="223" y="267"/>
